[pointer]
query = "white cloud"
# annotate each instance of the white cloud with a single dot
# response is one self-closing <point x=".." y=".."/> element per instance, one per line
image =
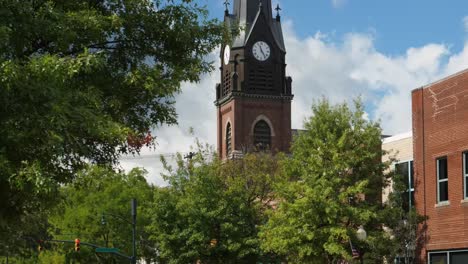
<point x="339" y="70"/>
<point x="465" y="23"/>
<point x="342" y="70"/>
<point x="196" y="110"/>
<point x="457" y="62"/>
<point x="338" y="3"/>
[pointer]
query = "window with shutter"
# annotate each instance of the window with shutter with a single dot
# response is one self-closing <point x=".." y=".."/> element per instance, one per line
<point x="262" y="135"/>
<point x="228" y="140"/>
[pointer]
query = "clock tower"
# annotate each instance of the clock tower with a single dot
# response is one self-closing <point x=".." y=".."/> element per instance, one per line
<point x="254" y="96"/>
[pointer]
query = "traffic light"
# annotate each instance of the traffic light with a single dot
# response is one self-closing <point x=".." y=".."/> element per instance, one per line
<point x="40" y="247"/>
<point x="213" y="242"/>
<point x="77" y="244"/>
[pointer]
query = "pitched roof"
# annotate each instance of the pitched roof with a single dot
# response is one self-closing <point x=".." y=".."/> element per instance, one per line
<point x="246" y="14"/>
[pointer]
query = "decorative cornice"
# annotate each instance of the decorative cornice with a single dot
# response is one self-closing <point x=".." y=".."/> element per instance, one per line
<point x="234" y="95"/>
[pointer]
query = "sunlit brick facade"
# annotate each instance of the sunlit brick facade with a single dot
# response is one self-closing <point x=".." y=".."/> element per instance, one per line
<point x="440" y="131"/>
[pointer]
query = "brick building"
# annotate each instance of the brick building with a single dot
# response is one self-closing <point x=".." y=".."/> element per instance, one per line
<point x="254" y="96"/>
<point x="253" y="102"/>
<point x="440" y="131"/>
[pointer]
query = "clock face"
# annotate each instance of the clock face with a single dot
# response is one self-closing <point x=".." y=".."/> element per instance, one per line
<point x="261" y="50"/>
<point x="227" y="54"/>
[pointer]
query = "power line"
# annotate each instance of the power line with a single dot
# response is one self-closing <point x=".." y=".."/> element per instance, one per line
<point x="166" y="155"/>
<point x="149" y="156"/>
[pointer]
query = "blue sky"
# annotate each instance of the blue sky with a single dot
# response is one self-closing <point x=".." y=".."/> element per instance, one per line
<point x="396" y="24"/>
<point x="379" y="50"/>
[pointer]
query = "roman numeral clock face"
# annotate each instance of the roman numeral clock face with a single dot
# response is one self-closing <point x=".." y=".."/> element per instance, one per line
<point x="261" y="51"/>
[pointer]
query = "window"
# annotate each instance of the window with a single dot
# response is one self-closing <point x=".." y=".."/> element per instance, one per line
<point x="228" y="140"/>
<point x="459" y="258"/>
<point x="442" y="180"/>
<point x="262" y="135"/>
<point x="406" y="170"/>
<point x="465" y="174"/>
<point x="403" y="260"/>
<point x="455" y="257"/>
<point x="439" y="258"/>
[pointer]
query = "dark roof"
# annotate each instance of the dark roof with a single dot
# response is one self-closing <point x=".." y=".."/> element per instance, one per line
<point x="246" y="13"/>
<point x="296" y="132"/>
<point x="246" y="10"/>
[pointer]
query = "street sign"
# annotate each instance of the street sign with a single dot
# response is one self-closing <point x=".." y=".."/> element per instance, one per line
<point x="107" y="250"/>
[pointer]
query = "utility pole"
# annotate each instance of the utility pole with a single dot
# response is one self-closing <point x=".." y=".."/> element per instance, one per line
<point x="134" y="214"/>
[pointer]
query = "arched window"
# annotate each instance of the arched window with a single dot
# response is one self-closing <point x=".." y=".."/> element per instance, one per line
<point x="228" y="139"/>
<point x="262" y="135"/>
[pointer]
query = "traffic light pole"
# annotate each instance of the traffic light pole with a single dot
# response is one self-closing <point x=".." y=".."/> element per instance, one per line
<point x="133" y="258"/>
<point x="72" y="242"/>
<point x="133" y="222"/>
<point x="134" y="214"/>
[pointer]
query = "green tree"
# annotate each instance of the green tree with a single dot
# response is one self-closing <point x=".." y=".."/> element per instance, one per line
<point x="23" y="245"/>
<point x="212" y="210"/>
<point x="94" y="192"/>
<point x="404" y="222"/>
<point x="85" y="80"/>
<point x="332" y="186"/>
<point x="51" y="257"/>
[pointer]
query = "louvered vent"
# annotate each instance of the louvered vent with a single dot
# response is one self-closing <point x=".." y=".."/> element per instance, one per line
<point x="226" y="83"/>
<point x="228" y="140"/>
<point x="262" y="135"/>
<point x="261" y="79"/>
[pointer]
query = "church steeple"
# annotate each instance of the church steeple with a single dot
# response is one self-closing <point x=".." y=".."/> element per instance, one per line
<point x="246" y="10"/>
<point x="278" y="9"/>
<point x="246" y="13"/>
<point x="254" y="96"/>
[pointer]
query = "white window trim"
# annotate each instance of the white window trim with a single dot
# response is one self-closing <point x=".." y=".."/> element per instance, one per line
<point x="438" y="252"/>
<point x="267" y="120"/>
<point x="228" y="125"/>
<point x="444" y="251"/>
<point x="440" y="181"/>
<point x="410" y="190"/>
<point x="465" y="175"/>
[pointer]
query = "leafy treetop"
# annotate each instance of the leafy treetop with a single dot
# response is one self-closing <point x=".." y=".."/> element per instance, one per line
<point x="80" y="77"/>
<point x="333" y="183"/>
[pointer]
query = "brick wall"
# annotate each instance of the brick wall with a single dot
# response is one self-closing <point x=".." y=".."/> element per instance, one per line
<point x="225" y="115"/>
<point x="440" y="128"/>
<point x="244" y="112"/>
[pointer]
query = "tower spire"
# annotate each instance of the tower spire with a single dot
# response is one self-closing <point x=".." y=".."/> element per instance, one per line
<point x="226" y="4"/>
<point x="253" y="98"/>
<point x="246" y="10"/>
<point x="278" y="9"/>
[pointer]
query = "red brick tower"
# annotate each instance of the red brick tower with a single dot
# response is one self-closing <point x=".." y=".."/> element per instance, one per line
<point x="254" y="97"/>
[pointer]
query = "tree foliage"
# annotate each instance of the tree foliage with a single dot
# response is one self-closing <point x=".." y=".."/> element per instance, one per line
<point x="404" y="222"/>
<point x="21" y="241"/>
<point x="79" y="77"/>
<point x="96" y="193"/>
<point x="212" y="210"/>
<point x="334" y="181"/>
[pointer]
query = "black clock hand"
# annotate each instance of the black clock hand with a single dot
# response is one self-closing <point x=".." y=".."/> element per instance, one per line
<point x="261" y="50"/>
